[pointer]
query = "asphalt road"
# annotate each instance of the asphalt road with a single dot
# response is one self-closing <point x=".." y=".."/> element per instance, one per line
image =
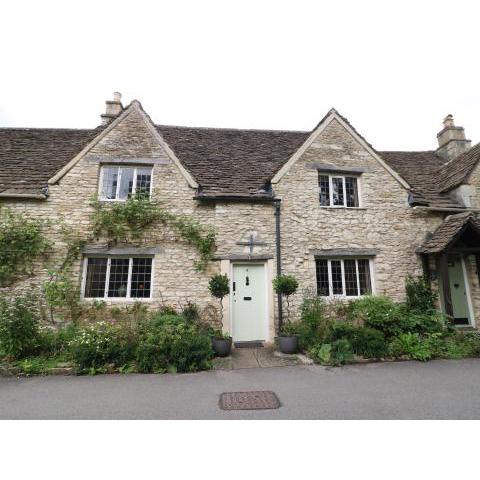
<point x="406" y="390"/>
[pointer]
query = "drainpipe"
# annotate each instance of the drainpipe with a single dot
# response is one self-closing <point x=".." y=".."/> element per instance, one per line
<point x="279" y="258"/>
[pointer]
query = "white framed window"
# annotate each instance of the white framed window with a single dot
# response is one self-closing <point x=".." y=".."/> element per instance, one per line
<point x="117" y="277"/>
<point x="120" y="183"/>
<point x="338" y="191"/>
<point x="343" y="277"/>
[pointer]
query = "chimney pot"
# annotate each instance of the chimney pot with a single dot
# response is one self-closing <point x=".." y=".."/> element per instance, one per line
<point x="448" y="121"/>
<point x="113" y="108"/>
<point x="451" y="140"/>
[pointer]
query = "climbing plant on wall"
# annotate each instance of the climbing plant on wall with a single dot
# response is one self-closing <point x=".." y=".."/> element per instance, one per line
<point x="129" y="219"/>
<point x="22" y="241"/>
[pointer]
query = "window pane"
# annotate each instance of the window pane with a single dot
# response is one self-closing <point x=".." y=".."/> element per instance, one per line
<point x="337" y="190"/>
<point x="141" y="277"/>
<point x="109" y="183"/>
<point x="324" y="190"/>
<point x="144" y="179"/>
<point x="364" y="277"/>
<point x="351" y="288"/>
<point x="117" y="286"/>
<point x="351" y="191"/>
<point x="322" y="278"/>
<point x="126" y="183"/>
<point x="336" y="266"/>
<point x="96" y="276"/>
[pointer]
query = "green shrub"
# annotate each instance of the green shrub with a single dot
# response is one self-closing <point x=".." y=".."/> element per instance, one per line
<point x="341" y="330"/>
<point x="285" y="285"/>
<point x="314" y="326"/>
<point x="102" y="343"/>
<point x="170" y="344"/>
<point x="336" y="353"/>
<point x="420" y="297"/>
<point x="377" y="312"/>
<point x="219" y="287"/>
<point x="413" y="345"/>
<point x="190" y="312"/>
<point x="55" y="342"/>
<point x="369" y="343"/>
<point x="19" y="326"/>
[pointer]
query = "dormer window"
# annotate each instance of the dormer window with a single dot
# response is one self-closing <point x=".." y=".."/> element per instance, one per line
<point x="120" y="183"/>
<point x="338" y="191"/>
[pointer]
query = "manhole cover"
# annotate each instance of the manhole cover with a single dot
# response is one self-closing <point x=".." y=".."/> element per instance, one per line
<point x="262" y="400"/>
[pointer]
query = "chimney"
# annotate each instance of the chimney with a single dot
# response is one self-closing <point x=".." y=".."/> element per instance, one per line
<point x="112" y="108"/>
<point x="451" y="140"/>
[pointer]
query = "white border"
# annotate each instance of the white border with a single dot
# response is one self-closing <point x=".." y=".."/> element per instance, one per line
<point x="467" y="291"/>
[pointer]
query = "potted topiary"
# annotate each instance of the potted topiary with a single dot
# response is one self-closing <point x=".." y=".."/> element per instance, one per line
<point x="286" y="285"/>
<point x="219" y="287"/>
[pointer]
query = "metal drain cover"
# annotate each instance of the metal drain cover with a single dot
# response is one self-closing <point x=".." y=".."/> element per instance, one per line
<point x="262" y="400"/>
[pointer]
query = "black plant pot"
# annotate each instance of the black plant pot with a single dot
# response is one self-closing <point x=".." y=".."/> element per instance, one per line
<point x="222" y="346"/>
<point x="288" y="344"/>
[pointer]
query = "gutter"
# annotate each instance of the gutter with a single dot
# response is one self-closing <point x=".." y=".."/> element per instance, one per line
<point x="278" y="249"/>
<point x="445" y="209"/>
<point x="35" y="196"/>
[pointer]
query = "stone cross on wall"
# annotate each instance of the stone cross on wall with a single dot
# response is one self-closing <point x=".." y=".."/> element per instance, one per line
<point x="252" y="243"/>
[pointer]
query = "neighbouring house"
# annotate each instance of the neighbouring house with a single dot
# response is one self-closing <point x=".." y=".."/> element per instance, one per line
<point x="345" y="219"/>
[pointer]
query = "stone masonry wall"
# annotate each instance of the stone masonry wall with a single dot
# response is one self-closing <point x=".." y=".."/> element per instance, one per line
<point x="384" y="221"/>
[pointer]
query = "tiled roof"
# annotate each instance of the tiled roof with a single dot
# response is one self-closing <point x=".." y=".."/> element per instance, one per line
<point x="29" y="157"/>
<point x="456" y="172"/>
<point x="421" y="171"/>
<point x="232" y="162"/>
<point x="448" y="231"/>
<point x="224" y="162"/>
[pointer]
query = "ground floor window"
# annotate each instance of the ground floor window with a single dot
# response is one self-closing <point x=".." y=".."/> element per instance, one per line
<point x="118" y="277"/>
<point x="343" y="277"/>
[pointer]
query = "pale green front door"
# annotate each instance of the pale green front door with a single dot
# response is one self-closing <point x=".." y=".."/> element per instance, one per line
<point x="249" y="302"/>
<point x="458" y="290"/>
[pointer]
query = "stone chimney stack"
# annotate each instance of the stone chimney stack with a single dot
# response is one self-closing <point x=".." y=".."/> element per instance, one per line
<point x="451" y="140"/>
<point x="112" y="108"/>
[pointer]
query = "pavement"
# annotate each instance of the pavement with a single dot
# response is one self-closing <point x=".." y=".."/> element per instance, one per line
<point x="255" y="358"/>
<point x="440" y="389"/>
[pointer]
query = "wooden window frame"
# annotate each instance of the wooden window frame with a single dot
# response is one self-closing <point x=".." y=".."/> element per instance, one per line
<point x="343" y="295"/>
<point x="331" y="176"/>
<point x="120" y="168"/>
<point x="128" y="296"/>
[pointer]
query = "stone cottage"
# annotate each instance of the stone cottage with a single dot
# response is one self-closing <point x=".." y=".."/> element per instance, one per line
<point x="345" y="219"/>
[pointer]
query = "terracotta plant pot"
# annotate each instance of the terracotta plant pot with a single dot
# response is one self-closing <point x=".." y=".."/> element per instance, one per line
<point x="288" y="344"/>
<point x="222" y="346"/>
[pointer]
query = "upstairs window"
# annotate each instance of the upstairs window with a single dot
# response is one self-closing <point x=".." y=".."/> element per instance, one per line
<point x="121" y="183"/>
<point x="118" y="277"/>
<point x="338" y="191"/>
<point x="343" y="277"/>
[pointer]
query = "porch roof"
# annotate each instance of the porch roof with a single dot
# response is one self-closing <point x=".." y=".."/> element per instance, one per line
<point x="450" y="232"/>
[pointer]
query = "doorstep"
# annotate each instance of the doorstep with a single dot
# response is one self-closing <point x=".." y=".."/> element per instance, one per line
<point x="255" y="358"/>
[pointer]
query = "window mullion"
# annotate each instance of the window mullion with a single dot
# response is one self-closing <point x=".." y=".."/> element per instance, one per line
<point x="134" y="186"/>
<point x="342" y="267"/>
<point x="119" y="182"/>
<point x="129" y="281"/>
<point x="107" y="279"/>
<point x="330" y="190"/>
<point x="357" y="273"/>
<point x="330" y="282"/>
<point x="344" y="192"/>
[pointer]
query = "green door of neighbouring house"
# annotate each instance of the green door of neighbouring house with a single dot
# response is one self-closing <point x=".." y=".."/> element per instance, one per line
<point x="249" y="302"/>
<point x="458" y="291"/>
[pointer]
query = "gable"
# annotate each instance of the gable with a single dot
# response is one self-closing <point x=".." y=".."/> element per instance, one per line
<point x="334" y="119"/>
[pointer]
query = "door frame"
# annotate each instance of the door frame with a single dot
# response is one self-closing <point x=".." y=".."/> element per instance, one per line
<point x="233" y="264"/>
<point x="226" y="267"/>
<point x="467" y="291"/>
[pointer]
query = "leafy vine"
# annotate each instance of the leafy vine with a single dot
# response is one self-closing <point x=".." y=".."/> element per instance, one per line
<point x="129" y="219"/>
<point x="22" y="241"/>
